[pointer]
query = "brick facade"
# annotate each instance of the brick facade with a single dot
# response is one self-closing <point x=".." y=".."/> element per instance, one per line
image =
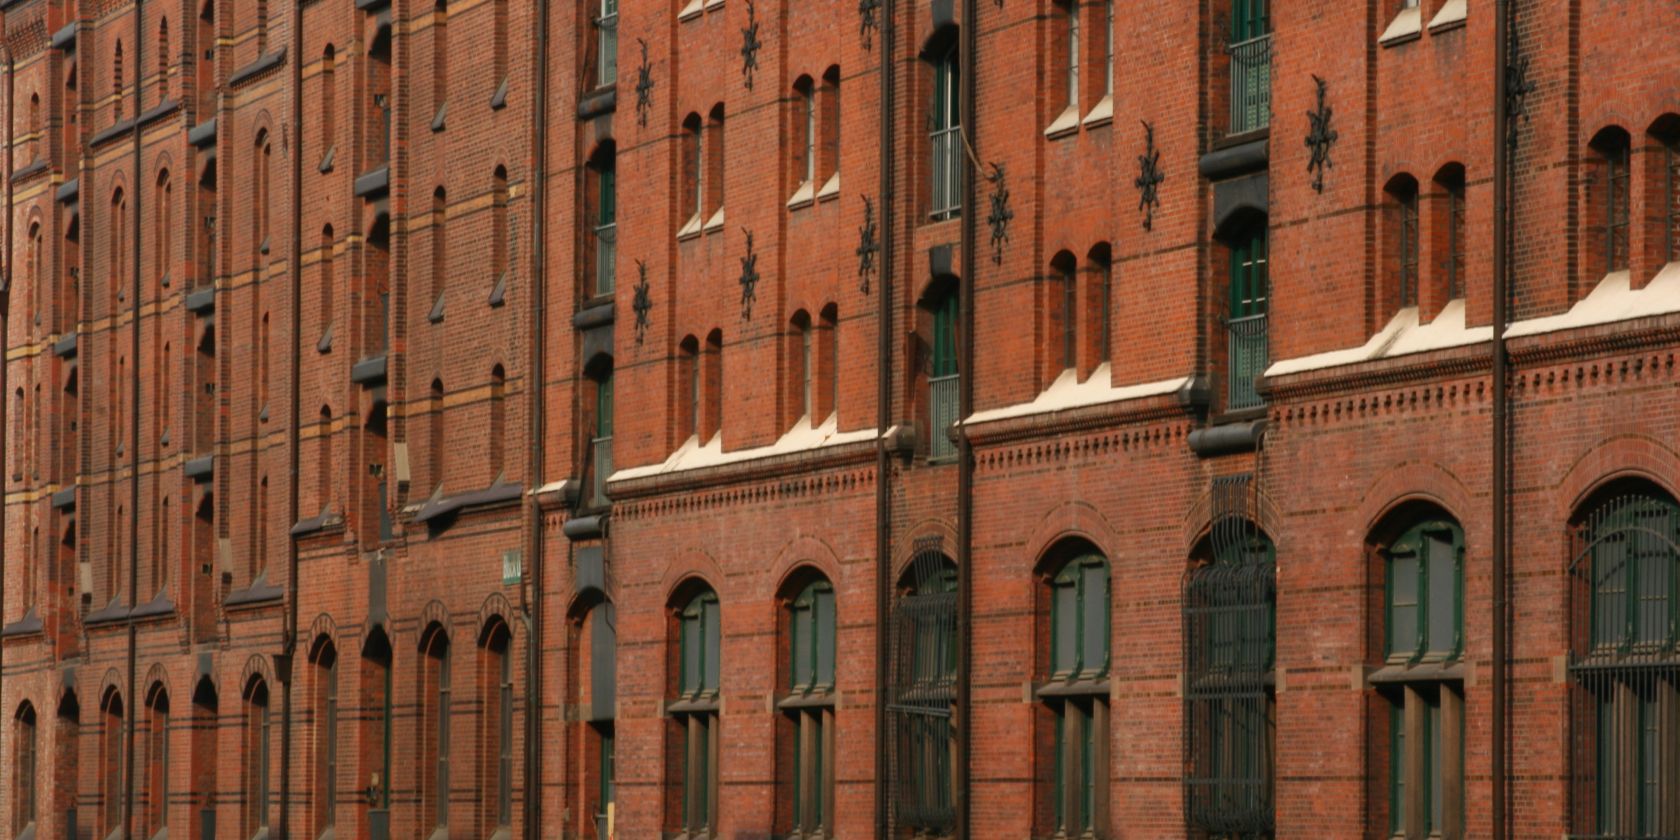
<point x="398" y="393"/>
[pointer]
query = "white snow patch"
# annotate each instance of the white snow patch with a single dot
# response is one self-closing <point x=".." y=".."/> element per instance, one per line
<point x="692" y="455"/>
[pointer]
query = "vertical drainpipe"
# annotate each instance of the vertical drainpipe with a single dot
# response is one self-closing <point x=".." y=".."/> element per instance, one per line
<point x="539" y="317"/>
<point x="138" y="197"/>
<point x="1501" y="444"/>
<point x="6" y="316"/>
<point x="885" y="302"/>
<point x="965" y="447"/>
<point x="293" y="433"/>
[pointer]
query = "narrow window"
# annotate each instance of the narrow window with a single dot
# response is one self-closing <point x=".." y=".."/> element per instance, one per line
<point x="829" y="367"/>
<point x="1250" y="52"/>
<point x="26" y="752"/>
<point x="1671" y="197"/>
<point x="263" y="368"/>
<point x="119" y="248"/>
<point x="1108" y="52"/>
<point x="606" y="43"/>
<point x="35" y="131"/>
<point x="326" y="736"/>
<point x="156" y="766"/>
<point x="163" y="60"/>
<point x="600" y="443"/>
<point x="805" y="133"/>
<point x="1451" y="181"/>
<point x="1403" y="246"/>
<point x="1102" y="273"/>
<point x="435" y="435"/>
<point x="440" y="57"/>
<point x="1246" y="326"/>
<point x="161" y="561"/>
<point x="924" y="694"/>
<point x="711" y="417"/>
<point x="1071" y="27"/>
<point x="1614" y="149"/>
<point x="1069" y="287"/>
<point x="111" y="759"/>
<point x="498" y="422"/>
<point x="694" y="713"/>
<point x="828" y="164"/>
<point x="435" y="712"/>
<point x="808" y="710"/>
<point x="606" y="221"/>
<point x="694" y="173"/>
<point x="944" y="381"/>
<point x="499" y="48"/>
<point x="1075" y="697"/>
<point x="597" y="681"/>
<point x="504" y="736"/>
<point x="440" y="248"/>
<point x="324" y="465"/>
<point x="500" y="256"/>
<point x="165" y="229"/>
<point x="714" y="164"/>
<point x="258" y="745"/>
<point x="329" y="100"/>
<point x="496" y="701"/>
<point x="260" y="198"/>
<point x="328" y="279"/>
<point x="117" y="83"/>
<point x="688" y="397"/>
<point x="378" y="96"/>
<point x="946" y="136"/>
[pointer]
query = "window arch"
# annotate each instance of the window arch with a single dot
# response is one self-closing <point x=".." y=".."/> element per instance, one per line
<point x="111" y="759"/>
<point x="261" y="196"/>
<point x="1400" y="238"/>
<point x="155" y="766"/>
<point x="26" y="752"/>
<point x="1061" y="306"/>
<point x="163" y="243"/>
<point x="1610" y="197"/>
<point x="323" y="656"/>
<point x="1420" y="552"/>
<point x="440" y="251"/>
<point x="328" y="102"/>
<point x="805" y="727"/>
<point x="496" y="700"/>
<point x="435" y="446"/>
<point x="257" y="754"/>
<point x="1624" y="662"/>
<point x="435" y="711"/>
<point x="692" y="761"/>
<point x="1075" y="639"/>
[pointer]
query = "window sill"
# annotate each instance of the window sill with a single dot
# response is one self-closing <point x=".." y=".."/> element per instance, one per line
<point x="702" y="705"/>
<point x="1064" y="125"/>
<point x="1437" y="671"/>
<point x="692" y="10"/>
<point x="830" y="188"/>
<point x="1406" y="26"/>
<point x="690" y="229"/>
<point x="1452" y="15"/>
<point x="1101" y="114"/>
<point x="803" y="197"/>
<point x="817" y="699"/>
<point x="713" y="5"/>
<point x="715" y="222"/>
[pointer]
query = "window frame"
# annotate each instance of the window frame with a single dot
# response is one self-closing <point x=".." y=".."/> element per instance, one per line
<point x="947" y="153"/>
<point x="1414" y="542"/>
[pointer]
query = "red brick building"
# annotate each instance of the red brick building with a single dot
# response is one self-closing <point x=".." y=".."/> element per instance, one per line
<point x="483" y="418"/>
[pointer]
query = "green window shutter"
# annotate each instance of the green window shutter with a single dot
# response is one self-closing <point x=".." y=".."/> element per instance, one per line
<point x="1441" y="550"/>
<point x="1093" y="659"/>
<point x="799" y="642"/>
<point x="710" y="623"/>
<point x="1404" y="577"/>
<point x="824" y="635"/>
<point x="1064" y="624"/>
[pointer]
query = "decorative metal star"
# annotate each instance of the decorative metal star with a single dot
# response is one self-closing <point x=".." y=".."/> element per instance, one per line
<point x="999" y="218"/>
<point x="643" y="304"/>
<point x="868" y="21"/>
<point x="749" y="278"/>
<point x="1320" y="138"/>
<point x="750" y="45"/>
<point x="1517" y="84"/>
<point x="867" y="246"/>
<point x="644" y="87"/>
<point x="1149" y="177"/>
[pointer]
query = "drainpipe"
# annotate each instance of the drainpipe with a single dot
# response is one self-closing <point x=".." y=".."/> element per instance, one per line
<point x="138" y="197"/>
<point x="6" y="319"/>
<point x="1502" y="148"/>
<point x="538" y="430"/>
<point x="293" y="434"/>
<point x="885" y="302"/>
<point x="965" y="447"/>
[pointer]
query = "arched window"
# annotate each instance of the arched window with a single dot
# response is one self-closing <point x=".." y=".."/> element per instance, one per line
<point x="713" y="199"/>
<point x="693" y="174"/>
<point x="329" y="101"/>
<point x="807" y="719"/>
<point x="496" y="793"/>
<point x="440" y="60"/>
<point x="828" y="365"/>
<point x="1448" y="236"/>
<point x="803" y="122"/>
<point x="35" y="131"/>
<point x="1100" y="298"/>
<point x="155" y="764"/>
<point x="324" y="465"/>
<point x="1422" y="559"/>
<point x="111" y="761"/>
<point x="33" y="259"/>
<point x="945" y="134"/>
<point x="435" y="446"/>
<point x="688" y="399"/>
<point x="498" y="422"/>
<point x="261" y="196"/>
<point x="164" y="229"/>
<point x="374" y="735"/>
<point x="1229" y="605"/>
<point x="324" y="658"/>
<point x="26" y="751"/>
<point x="1612" y="195"/>
<point x="923" y="693"/>
<point x="328" y="284"/>
<point x="1063" y="304"/>
<point x="162" y="560"/>
<point x="711" y="387"/>
<point x="119" y="248"/>
<point x="595" y="638"/>
<point x="1401" y="238"/>
<point x="434" y="726"/>
<point x="1624" y="663"/>
<point x="1075" y="695"/>
<point x="499" y="52"/>
<point x="440" y="251"/>
<point x="257" y="752"/>
<point x="694" y="712"/>
<point x="500" y="256"/>
<point x="801" y="394"/>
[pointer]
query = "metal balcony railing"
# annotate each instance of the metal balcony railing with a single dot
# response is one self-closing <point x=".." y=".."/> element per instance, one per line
<point x="602" y="468"/>
<point x="1246" y="358"/>
<point x="942" y="414"/>
<point x="1251" y="84"/>
<point x="947" y="172"/>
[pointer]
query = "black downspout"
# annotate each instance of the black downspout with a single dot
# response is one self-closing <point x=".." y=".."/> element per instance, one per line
<point x="1502" y="147"/>
<point x="5" y="323"/>
<point x="883" y="421"/>
<point x="534" y="405"/>
<point x="965" y="403"/>
<point x="134" y="705"/>
<point x="294" y="448"/>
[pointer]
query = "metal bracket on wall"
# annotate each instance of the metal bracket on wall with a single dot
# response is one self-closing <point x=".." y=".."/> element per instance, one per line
<point x="643" y="303"/>
<point x="1149" y="177"/>
<point x="1320" y="138"/>
<point x="644" y="87"/>
<point x="867" y="245"/>
<point x="750" y="45"/>
<point x="1517" y="86"/>
<point x="749" y="278"/>
<point x="1001" y="215"/>
<point x="868" y="21"/>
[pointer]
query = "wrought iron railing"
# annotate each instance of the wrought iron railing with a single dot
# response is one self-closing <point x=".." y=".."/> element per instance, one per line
<point x="943" y="406"/>
<point x="1251" y="84"/>
<point x="606" y="258"/>
<point x="922" y="703"/>
<point x="947" y="172"/>
<point x="1246" y="359"/>
<point x="1624" y="668"/>
<point x="601" y="466"/>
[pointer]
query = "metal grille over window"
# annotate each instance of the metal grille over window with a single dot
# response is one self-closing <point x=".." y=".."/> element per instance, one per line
<point x="922" y="696"/>
<point x="1229" y="633"/>
<point x="1624" y="667"/>
<point x="1250" y="50"/>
